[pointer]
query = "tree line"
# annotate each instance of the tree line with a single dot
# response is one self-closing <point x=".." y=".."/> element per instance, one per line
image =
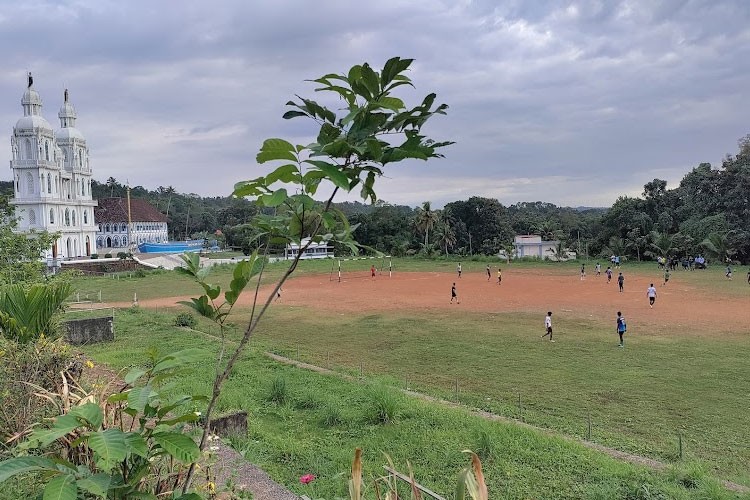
<point x="707" y="213"/>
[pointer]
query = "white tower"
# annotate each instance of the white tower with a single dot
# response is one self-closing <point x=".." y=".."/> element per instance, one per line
<point x="52" y="178"/>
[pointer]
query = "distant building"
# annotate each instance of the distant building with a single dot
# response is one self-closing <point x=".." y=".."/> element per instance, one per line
<point x="531" y="245"/>
<point x="314" y="251"/>
<point x="147" y="225"/>
<point x="52" y="178"/>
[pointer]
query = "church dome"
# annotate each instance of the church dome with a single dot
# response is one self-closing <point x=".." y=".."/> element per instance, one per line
<point x="68" y="133"/>
<point x="31" y="97"/>
<point x="32" y="122"/>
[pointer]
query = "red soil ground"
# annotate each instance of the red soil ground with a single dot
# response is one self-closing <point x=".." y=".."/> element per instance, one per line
<point x="679" y="305"/>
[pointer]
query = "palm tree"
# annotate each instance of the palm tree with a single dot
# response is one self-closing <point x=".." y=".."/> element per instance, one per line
<point x="425" y="220"/>
<point x="717" y="245"/>
<point x="662" y="245"/>
<point x="111" y="183"/>
<point x="446" y="234"/>
<point x="169" y="192"/>
<point x="26" y="315"/>
<point x="558" y="251"/>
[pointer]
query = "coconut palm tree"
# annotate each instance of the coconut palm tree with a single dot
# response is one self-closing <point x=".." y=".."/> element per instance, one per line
<point x="446" y="234"/>
<point x="425" y="220"/>
<point x="662" y="245"/>
<point x="717" y="245"/>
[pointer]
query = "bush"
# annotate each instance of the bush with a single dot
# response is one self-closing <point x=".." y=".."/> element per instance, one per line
<point x="107" y="255"/>
<point x="40" y="363"/>
<point x="185" y="319"/>
<point x="122" y="255"/>
<point x="94" y="256"/>
<point x="139" y="273"/>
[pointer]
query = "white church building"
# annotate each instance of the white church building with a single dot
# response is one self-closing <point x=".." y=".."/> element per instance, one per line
<point x="52" y="178"/>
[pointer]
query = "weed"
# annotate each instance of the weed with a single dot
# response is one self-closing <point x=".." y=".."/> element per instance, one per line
<point x="484" y="446"/>
<point x="185" y="319"/>
<point x="277" y="391"/>
<point x="385" y="406"/>
<point x="332" y="415"/>
<point x="308" y="400"/>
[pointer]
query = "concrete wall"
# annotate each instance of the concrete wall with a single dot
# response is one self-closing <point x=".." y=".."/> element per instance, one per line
<point x="90" y="331"/>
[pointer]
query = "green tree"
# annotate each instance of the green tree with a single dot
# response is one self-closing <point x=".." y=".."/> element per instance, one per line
<point x="28" y="313"/>
<point x="662" y="245"/>
<point x="20" y="254"/>
<point x="424" y="220"/>
<point x="717" y="245"/>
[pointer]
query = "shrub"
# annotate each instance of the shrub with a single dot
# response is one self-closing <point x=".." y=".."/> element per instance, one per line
<point x="185" y="319"/>
<point x="308" y="400"/>
<point x="94" y="256"/>
<point x="122" y="255"/>
<point x="277" y="391"/>
<point x="107" y="255"/>
<point x="40" y="363"/>
<point x="385" y="406"/>
<point x="484" y="446"/>
<point x="139" y="273"/>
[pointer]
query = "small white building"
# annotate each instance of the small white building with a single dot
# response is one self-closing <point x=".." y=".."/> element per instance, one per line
<point x="320" y="250"/>
<point x="531" y="245"/>
<point x="52" y="178"/>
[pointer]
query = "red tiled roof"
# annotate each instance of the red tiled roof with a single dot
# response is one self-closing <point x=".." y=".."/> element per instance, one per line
<point x="116" y="210"/>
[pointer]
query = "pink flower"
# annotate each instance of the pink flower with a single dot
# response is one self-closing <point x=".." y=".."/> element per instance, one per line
<point x="307" y="478"/>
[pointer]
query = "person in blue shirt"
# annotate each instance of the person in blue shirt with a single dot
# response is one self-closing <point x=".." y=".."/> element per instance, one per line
<point x="621" y="327"/>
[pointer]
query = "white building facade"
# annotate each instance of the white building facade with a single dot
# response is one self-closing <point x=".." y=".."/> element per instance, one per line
<point x="52" y="178"/>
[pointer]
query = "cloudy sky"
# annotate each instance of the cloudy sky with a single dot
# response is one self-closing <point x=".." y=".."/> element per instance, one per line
<point x="573" y="102"/>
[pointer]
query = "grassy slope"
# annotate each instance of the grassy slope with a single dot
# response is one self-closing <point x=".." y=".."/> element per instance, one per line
<point x="292" y="438"/>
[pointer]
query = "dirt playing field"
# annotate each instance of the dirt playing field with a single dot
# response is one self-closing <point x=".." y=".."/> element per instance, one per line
<point x="678" y="306"/>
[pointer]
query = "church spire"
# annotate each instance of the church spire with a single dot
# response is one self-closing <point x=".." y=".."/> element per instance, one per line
<point x="67" y="113"/>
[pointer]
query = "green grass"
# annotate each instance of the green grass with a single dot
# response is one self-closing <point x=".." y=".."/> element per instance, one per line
<point x="323" y="418"/>
<point x="638" y="398"/>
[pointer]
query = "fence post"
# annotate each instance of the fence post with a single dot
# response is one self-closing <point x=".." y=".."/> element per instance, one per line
<point x="361" y="370"/>
<point x="679" y="443"/>
<point x="588" y="430"/>
<point x="100" y="295"/>
<point x="456" y="389"/>
<point x="328" y="359"/>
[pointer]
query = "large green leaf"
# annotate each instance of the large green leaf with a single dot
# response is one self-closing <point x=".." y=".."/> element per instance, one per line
<point x="62" y="487"/>
<point x="274" y="199"/>
<point x="180" y="446"/>
<point x="97" y="484"/>
<point x="22" y="465"/>
<point x="109" y="445"/>
<point x="64" y="425"/>
<point x="89" y="412"/>
<point x="332" y="172"/>
<point x="135" y="444"/>
<point x="276" y="149"/>
<point x="138" y="397"/>
<point x="285" y="173"/>
<point x="393" y="67"/>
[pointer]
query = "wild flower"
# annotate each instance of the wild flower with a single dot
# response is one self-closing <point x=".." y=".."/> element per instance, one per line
<point x="89" y="364"/>
<point x="307" y="478"/>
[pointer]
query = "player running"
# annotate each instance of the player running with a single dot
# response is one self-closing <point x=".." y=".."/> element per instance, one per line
<point x="453" y="294"/>
<point x="489" y="273"/>
<point x="651" y="293"/>
<point x="459" y="269"/>
<point x="548" y="325"/>
<point x="621" y="327"/>
<point x="500" y="276"/>
<point x="609" y="274"/>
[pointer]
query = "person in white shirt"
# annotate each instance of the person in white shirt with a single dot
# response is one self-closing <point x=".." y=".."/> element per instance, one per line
<point x="651" y="293"/>
<point x="458" y="269"/>
<point x="548" y="326"/>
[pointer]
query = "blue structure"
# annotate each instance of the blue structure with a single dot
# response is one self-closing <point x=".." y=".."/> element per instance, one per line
<point x="172" y="247"/>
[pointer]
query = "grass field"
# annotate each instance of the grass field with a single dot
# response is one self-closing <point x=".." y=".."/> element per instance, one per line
<point x="669" y="380"/>
<point x="313" y="424"/>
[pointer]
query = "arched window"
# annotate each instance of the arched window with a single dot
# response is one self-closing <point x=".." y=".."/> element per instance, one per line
<point x="116" y="241"/>
<point x="85" y="216"/>
<point x="124" y="228"/>
<point x="74" y="217"/>
<point x="83" y="188"/>
<point x="106" y="228"/>
<point x="80" y="157"/>
<point x="32" y="218"/>
<point x="67" y="217"/>
<point x="46" y="150"/>
<point x="49" y="183"/>
<point x="99" y="242"/>
<point x="124" y="241"/>
<point x="51" y="216"/>
<point x="29" y="155"/>
<point x="29" y="183"/>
